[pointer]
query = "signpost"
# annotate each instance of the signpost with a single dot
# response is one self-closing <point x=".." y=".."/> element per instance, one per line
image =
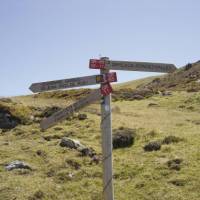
<point x="106" y="129"/>
<point x="105" y="78"/>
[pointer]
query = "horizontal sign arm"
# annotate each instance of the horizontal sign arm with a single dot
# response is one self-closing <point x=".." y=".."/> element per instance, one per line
<point x="132" y="66"/>
<point x="73" y="82"/>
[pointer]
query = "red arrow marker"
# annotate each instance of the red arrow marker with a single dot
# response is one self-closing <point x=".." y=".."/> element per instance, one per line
<point x="106" y="89"/>
<point x="110" y="77"/>
<point x="97" y="64"/>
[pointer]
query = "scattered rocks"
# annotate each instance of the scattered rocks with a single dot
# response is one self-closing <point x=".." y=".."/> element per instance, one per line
<point x="123" y="137"/>
<point x="82" y="116"/>
<point x="70" y="143"/>
<point x="7" y="121"/>
<point x="153" y="146"/>
<point x="95" y="159"/>
<point x="75" y="144"/>
<point x="17" y="165"/>
<point x="74" y="164"/>
<point x="171" y="139"/>
<point x="87" y="152"/>
<point x="153" y="105"/>
<point x="175" y="164"/>
<point x="130" y="94"/>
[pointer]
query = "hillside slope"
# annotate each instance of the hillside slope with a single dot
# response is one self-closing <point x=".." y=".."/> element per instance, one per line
<point x="171" y="120"/>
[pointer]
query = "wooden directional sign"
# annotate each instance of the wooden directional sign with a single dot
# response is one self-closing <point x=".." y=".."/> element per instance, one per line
<point x="67" y="112"/>
<point x="65" y="83"/>
<point x="133" y="66"/>
<point x="73" y="82"/>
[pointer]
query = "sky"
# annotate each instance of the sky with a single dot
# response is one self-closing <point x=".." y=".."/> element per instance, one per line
<point x="42" y="40"/>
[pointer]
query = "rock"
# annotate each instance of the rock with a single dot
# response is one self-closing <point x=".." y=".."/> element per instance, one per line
<point x="87" y="152"/>
<point x="71" y="143"/>
<point x="74" y="164"/>
<point x="153" y="146"/>
<point x="7" y="121"/>
<point x="82" y="116"/>
<point x="175" y="164"/>
<point x="75" y="144"/>
<point x="41" y="153"/>
<point x="95" y="159"/>
<point x="123" y="137"/>
<point x="166" y="93"/>
<point x="171" y="139"/>
<point x="153" y="105"/>
<point x="137" y="97"/>
<point x="17" y="165"/>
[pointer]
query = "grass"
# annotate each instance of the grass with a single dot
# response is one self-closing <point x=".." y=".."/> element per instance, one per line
<point x="138" y="175"/>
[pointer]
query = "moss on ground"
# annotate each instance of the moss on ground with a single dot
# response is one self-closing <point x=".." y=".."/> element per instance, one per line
<point x="138" y="174"/>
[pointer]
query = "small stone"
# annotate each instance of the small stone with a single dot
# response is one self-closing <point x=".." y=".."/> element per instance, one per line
<point x="166" y="93"/>
<point x="73" y="164"/>
<point x="75" y="144"/>
<point x="71" y="143"/>
<point x="175" y="164"/>
<point x="82" y="116"/>
<point x="153" y="105"/>
<point x="152" y="146"/>
<point x="178" y="182"/>
<point x="87" y="152"/>
<point x="71" y="175"/>
<point x="17" y="165"/>
<point x="171" y="139"/>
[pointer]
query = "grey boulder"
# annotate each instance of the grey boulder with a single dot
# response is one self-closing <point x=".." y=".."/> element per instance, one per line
<point x="17" y="165"/>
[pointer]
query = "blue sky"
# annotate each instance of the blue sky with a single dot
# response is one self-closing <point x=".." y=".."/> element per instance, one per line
<point x="44" y="40"/>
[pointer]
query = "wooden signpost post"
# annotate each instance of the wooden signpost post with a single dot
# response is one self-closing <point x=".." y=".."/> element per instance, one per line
<point x="104" y="93"/>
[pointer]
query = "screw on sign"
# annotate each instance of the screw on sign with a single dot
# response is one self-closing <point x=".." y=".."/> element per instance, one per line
<point x="106" y="89"/>
<point x="97" y="64"/>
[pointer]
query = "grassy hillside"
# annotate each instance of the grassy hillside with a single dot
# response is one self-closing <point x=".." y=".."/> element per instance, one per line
<point x="138" y="175"/>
